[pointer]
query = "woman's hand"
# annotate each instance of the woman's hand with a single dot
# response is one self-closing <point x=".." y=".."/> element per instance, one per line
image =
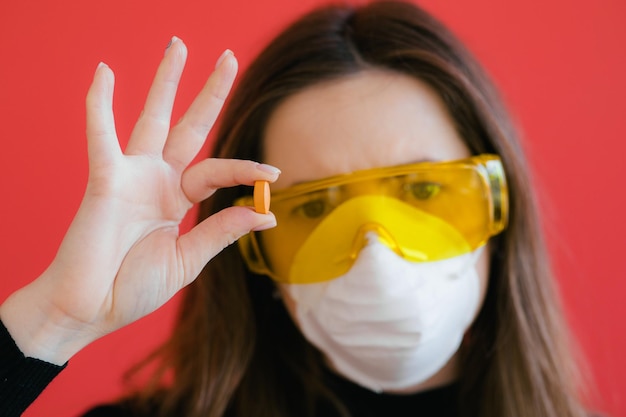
<point x="122" y="256"/>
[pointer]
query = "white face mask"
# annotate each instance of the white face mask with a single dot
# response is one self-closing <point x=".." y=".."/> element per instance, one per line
<point x="388" y="323"/>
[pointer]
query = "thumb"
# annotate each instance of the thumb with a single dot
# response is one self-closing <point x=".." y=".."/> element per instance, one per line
<point x="198" y="246"/>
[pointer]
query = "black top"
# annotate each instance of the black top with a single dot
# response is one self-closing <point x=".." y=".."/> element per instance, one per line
<point x="23" y="379"/>
<point x="361" y="402"/>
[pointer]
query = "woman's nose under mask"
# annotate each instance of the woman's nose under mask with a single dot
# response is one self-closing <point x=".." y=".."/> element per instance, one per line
<point x="388" y="323"/>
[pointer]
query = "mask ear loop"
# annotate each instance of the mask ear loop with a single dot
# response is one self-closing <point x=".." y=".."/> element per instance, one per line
<point x="472" y="260"/>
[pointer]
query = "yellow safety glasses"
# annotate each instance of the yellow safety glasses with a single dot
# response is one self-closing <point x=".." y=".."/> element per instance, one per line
<point x="426" y="211"/>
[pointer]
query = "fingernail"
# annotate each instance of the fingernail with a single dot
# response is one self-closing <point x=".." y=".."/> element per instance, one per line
<point x="265" y="226"/>
<point x="268" y="169"/>
<point x="100" y="65"/>
<point x="174" y="39"/>
<point x="223" y="57"/>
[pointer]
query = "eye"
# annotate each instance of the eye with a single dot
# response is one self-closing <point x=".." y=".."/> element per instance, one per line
<point x="423" y="190"/>
<point x="313" y="209"/>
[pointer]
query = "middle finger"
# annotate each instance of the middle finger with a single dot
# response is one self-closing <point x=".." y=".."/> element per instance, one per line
<point x="190" y="133"/>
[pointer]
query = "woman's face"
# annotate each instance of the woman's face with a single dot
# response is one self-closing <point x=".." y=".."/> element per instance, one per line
<point x="371" y="119"/>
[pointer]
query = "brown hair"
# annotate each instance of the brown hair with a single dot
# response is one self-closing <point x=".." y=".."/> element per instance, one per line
<point x="235" y="350"/>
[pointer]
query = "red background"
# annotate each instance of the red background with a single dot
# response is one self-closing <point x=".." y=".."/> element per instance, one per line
<point x="559" y="64"/>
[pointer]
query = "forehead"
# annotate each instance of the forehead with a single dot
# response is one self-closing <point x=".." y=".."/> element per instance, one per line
<point x="369" y="119"/>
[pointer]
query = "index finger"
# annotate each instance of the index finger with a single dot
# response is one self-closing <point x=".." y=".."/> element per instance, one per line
<point x="201" y="180"/>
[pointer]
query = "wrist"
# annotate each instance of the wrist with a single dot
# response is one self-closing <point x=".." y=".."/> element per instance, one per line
<point x="39" y="330"/>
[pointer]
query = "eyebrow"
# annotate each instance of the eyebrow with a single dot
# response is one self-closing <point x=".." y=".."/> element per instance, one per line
<point x="415" y="161"/>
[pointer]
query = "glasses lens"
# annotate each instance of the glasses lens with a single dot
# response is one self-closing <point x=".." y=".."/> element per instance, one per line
<point x="456" y="194"/>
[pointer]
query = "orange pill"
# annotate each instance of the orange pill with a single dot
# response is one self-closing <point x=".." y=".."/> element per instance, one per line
<point x="262" y="197"/>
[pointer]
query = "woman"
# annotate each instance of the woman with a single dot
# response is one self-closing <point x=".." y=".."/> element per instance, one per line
<point x="514" y="359"/>
<point x="359" y="90"/>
